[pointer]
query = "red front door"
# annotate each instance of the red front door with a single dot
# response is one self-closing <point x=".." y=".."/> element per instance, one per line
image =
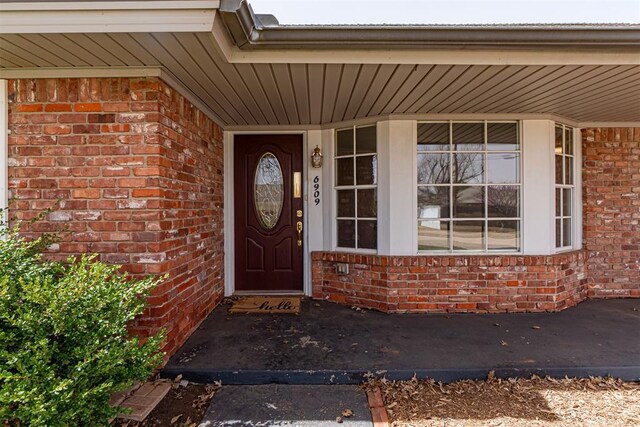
<point x="268" y="213"/>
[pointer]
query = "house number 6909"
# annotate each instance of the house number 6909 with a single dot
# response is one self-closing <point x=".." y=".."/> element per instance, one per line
<point x="316" y="190"/>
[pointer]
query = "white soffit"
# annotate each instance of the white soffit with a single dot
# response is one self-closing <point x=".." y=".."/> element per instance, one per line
<point x="298" y="94"/>
<point x="186" y="40"/>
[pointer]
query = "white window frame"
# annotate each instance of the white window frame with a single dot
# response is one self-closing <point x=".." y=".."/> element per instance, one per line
<point x="485" y="219"/>
<point x="337" y="187"/>
<point x="571" y="187"/>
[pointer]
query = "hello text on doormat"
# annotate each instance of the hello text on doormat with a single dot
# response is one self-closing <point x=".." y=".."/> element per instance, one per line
<point x="266" y="304"/>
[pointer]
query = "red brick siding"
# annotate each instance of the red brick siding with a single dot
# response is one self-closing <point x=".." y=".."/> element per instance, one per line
<point x="138" y="171"/>
<point x="452" y="283"/>
<point x="611" y="203"/>
<point x="191" y="180"/>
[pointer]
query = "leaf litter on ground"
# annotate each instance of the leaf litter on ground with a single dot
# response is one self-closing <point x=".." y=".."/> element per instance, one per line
<point x="533" y="402"/>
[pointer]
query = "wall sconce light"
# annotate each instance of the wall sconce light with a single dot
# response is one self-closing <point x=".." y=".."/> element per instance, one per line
<point x="316" y="158"/>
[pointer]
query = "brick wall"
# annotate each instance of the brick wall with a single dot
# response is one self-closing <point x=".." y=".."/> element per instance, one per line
<point x="452" y="283"/>
<point x="138" y="173"/>
<point x="611" y="198"/>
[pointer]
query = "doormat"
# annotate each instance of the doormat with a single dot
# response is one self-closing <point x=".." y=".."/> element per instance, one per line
<point x="264" y="304"/>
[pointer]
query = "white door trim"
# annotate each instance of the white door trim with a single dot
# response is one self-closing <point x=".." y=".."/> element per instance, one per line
<point x="229" y="210"/>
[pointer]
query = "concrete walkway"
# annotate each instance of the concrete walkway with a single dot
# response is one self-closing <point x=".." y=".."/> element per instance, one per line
<point x="333" y="344"/>
<point x="290" y="405"/>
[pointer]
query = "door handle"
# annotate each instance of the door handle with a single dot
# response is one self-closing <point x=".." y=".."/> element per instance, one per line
<point x="299" y="229"/>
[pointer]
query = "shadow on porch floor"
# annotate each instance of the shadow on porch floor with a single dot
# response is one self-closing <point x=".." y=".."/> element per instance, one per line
<point x="333" y="344"/>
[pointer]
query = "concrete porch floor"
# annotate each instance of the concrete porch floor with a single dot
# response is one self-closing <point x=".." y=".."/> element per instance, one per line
<point x="334" y="344"/>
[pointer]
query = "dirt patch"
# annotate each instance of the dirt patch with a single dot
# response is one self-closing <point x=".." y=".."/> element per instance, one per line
<point x="526" y="403"/>
<point x="183" y="406"/>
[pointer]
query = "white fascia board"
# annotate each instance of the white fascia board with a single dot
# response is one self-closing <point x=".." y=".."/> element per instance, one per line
<point x="585" y="125"/>
<point x="222" y="40"/>
<point x="419" y="117"/>
<point x="109" y="5"/>
<point x="444" y="56"/>
<point x="109" y="20"/>
<point x="78" y="72"/>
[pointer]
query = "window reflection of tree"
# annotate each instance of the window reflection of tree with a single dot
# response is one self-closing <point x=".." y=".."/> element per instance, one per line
<point x="503" y="201"/>
<point x="436" y="168"/>
<point x="468" y="168"/>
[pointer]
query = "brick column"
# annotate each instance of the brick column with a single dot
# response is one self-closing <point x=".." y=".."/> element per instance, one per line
<point x="137" y="171"/>
<point x="611" y="205"/>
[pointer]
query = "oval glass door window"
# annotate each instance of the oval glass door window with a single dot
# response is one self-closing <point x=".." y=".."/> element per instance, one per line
<point x="268" y="190"/>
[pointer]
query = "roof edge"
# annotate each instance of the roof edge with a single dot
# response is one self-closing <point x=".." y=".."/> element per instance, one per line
<point x="250" y="31"/>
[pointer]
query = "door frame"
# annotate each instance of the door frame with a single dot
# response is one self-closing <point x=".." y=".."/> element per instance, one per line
<point x="229" y="208"/>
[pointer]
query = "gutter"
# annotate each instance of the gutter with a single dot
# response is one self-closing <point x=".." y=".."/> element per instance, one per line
<point x="251" y="31"/>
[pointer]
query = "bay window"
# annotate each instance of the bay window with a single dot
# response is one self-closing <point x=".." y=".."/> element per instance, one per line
<point x="405" y="187"/>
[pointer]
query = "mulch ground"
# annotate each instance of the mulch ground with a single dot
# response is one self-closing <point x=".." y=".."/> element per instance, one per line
<point x="531" y="402"/>
<point x="183" y="406"/>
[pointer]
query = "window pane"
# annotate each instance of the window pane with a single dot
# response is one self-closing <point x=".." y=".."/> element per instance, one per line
<point x="566" y="232"/>
<point x="468" y="202"/>
<point x="367" y="234"/>
<point x="367" y="203"/>
<point x="346" y="203"/>
<point x="503" y="168"/>
<point x="568" y="170"/>
<point x="344" y="142"/>
<point x="558" y="169"/>
<point x="558" y="140"/>
<point x="366" y="170"/>
<point x="568" y="140"/>
<point x="347" y="233"/>
<point x="344" y="171"/>
<point x="433" y="202"/>
<point x="468" y="235"/>
<point x="502" y="136"/>
<point x="558" y="201"/>
<point x="504" y="235"/>
<point x="366" y="140"/>
<point x="566" y="202"/>
<point x="503" y="201"/>
<point x="558" y="233"/>
<point x="468" y="136"/>
<point x="433" y="168"/>
<point x="433" y="235"/>
<point x="468" y="168"/>
<point x="433" y="136"/>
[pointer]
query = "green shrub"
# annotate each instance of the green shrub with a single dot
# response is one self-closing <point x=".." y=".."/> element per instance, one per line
<point x="64" y="345"/>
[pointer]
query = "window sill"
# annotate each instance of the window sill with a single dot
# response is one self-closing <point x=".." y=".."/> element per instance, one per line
<point x="468" y="253"/>
<point x="356" y="251"/>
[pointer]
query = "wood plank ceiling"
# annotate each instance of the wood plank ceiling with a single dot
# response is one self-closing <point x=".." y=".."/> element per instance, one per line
<point x="284" y="94"/>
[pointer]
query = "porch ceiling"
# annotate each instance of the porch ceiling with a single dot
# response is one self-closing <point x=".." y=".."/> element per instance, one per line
<point x="248" y="94"/>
